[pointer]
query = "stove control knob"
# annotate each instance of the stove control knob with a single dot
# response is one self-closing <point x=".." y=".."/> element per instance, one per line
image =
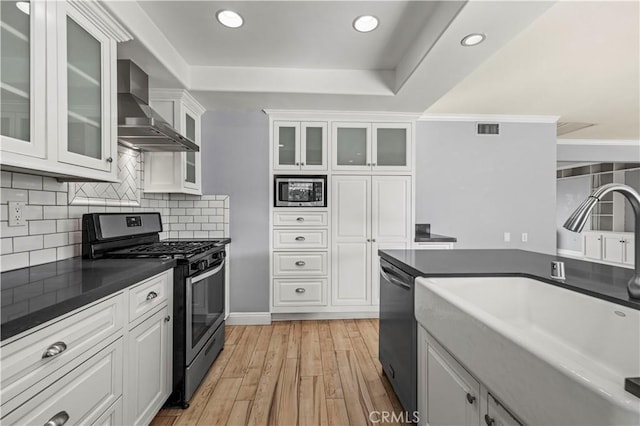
<point x="202" y="265"/>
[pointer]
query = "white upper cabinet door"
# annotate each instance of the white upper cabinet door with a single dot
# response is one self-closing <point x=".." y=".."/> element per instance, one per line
<point x="87" y="110"/>
<point x="192" y="160"/>
<point x="391" y="147"/>
<point x="286" y="145"/>
<point x="313" y="146"/>
<point x="351" y="146"/>
<point x="22" y="78"/>
<point x="391" y="208"/>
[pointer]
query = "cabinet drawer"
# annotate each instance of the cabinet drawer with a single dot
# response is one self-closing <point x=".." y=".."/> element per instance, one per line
<point x="300" y="263"/>
<point x="300" y="219"/>
<point x="307" y="292"/>
<point x="24" y="363"/>
<point x="83" y="395"/>
<point x="291" y="238"/>
<point x="148" y="294"/>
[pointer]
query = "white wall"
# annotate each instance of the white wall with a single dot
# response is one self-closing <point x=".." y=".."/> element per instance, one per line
<point x="477" y="187"/>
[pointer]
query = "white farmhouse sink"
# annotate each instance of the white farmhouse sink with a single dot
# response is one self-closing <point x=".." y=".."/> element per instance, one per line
<point x="553" y="356"/>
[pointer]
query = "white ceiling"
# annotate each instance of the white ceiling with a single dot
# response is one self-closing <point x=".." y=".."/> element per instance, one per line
<point x="577" y="60"/>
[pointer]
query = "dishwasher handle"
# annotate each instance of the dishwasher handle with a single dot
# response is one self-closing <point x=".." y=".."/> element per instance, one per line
<point x="388" y="275"/>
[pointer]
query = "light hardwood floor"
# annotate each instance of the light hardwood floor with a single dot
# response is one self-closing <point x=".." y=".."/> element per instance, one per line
<point x="292" y="373"/>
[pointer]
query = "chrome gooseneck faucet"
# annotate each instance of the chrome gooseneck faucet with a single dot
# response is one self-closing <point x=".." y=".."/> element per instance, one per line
<point x="578" y="219"/>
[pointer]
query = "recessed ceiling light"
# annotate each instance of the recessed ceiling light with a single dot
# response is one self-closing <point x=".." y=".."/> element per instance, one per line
<point x="24" y="6"/>
<point x="472" y="39"/>
<point x="365" y="23"/>
<point x="229" y="18"/>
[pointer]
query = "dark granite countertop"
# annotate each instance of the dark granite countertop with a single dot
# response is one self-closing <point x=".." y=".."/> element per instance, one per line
<point x="594" y="279"/>
<point x="32" y="296"/>
<point x="434" y="238"/>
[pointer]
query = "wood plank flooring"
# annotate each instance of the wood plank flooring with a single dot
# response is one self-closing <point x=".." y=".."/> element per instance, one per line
<point x="292" y="373"/>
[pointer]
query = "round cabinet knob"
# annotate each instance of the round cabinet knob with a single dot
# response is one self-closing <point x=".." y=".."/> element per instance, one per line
<point x="300" y="263"/>
<point x="374" y="240"/>
<point x="300" y="290"/>
<point x="302" y="164"/>
<point x="167" y="318"/>
<point x="54" y="350"/>
<point x="374" y="164"/>
<point x="297" y="164"/>
<point x="300" y="238"/>
<point x="368" y="240"/>
<point x="152" y="295"/>
<point x="470" y="398"/>
<point x="110" y="160"/>
<point x="488" y="420"/>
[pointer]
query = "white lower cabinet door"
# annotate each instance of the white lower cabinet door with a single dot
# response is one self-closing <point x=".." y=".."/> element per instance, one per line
<point x="80" y="397"/>
<point x="613" y="246"/>
<point x="452" y="394"/>
<point x="498" y="415"/>
<point x="629" y="251"/>
<point x="351" y="274"/>
<point x="149" y="368"/>
<point x="593" y="246"/>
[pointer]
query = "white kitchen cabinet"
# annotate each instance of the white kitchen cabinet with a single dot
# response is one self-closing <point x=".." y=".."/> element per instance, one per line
<point x="59" y="110"/>
<point x="179" y="172"/>
<point x="498" y="415"/>
<point x="615" y="248"/>
<point x="299" y="145"/>
<point x="368" y="212"/>
<point x="149" y="375"/>
<point x="378" y="147"/>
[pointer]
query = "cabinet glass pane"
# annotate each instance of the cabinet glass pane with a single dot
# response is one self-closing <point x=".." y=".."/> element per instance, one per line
<point x="287" y="146"/>
<point x="352" y="147"/>
<point x="190" y="124"/>
<point x="84" y="92"/>
<point x="392" y="147"/>
<point x="15" y="72"/>
<point x="314" y="146"/>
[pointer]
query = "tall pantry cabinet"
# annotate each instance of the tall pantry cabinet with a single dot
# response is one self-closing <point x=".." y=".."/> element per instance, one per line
<point x="368" y="160"/>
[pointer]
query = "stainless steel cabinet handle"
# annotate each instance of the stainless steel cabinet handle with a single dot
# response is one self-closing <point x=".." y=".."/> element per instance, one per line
<point x="167" y="318"/>
<point x="54" y="350"/>
<point x="488" y="420"/>
<point x="152" y="295"/>
<point x="300" y="219"/>
<point x="470" y="398"/>
<point x="300" y="263"/>
<point x="300" y="290"/>
<point x="300" y="238"/>
<point x="58" y="420"/>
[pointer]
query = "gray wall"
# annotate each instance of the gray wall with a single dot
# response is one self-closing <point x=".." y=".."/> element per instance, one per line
<point x="476" y="187"/>
<point x="234" y="162"/>
<point x="570" y="193"/>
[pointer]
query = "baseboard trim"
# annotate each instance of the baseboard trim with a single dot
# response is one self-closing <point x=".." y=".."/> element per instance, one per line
<point x="249" y="318"/>
<point x="571" y="253"/>
<point x="323" y="316"/>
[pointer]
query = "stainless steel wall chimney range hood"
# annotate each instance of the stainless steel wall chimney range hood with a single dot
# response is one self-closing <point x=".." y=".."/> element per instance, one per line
<point x="139" y="126"/>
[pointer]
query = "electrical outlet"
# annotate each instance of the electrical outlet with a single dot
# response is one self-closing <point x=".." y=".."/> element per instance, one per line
<point x="525" y="237"/>
<point x="507" y="237"/>
<point x="16" y="214"/>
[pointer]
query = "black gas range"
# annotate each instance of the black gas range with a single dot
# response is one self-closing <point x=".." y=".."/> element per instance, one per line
<point x="198" y="293"/>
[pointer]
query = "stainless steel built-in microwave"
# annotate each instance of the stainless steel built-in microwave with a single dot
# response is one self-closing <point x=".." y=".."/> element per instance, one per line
<point x="300" y="191"/>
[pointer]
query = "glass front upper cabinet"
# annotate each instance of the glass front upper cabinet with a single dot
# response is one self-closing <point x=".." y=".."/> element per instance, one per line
<point x="300" y="145"/>
<point x="351" y="146"/>
<point x="391" y="146"/>
<point x="22" y="77"/>
<point x="191" y="165"/>
<point x="84" y="97"/>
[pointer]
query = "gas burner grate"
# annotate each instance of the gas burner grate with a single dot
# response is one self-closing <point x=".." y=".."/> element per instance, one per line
<point x="169" y="248"/>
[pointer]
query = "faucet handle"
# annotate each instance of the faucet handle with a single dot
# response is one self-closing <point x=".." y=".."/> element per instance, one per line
<point x="557" y="270"/>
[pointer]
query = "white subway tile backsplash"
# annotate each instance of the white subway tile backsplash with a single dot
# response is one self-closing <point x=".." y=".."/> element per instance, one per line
<point x="78" y="211"/>
<point x="33" y="212"/>
<point x="66" y="252"/>
<point x="177" y="227"/>
<point x="193" y="212"/>
<point x="68" y="225"/>
<point x="201" y="219"/>
<point x="56" y="212"/>
<point x="42" y="256"/>
<point x="75" y="237"/>
<point x="52" y="184"/>
<point x="25" y="181"/>
<point x="4" y="212"/>
<point x="201" y="203"/>
<point x="56" y="240"/>
<point x="45" y="198"/>
<point x="208" y="211"/>
<point x="6" y="245"/>
<point x="14" y="261"/>
<point x="217" y="203"/>
<point x="185" y="234"/>
<point x="62" y="198"/>
<point x="13" y="231"/>
<point x="42" y="227"/>
<point x="5" y="179"/>
<point x="185" y="204"/>
<point x="200" y="234"/>
<point x="185" y="219"/>
<point x="209" y="227"/>
<point x="32" y="242"/>
<point x="193" y="227"/>
<point x="10" y="194"/>
<point x="178" y="212"/>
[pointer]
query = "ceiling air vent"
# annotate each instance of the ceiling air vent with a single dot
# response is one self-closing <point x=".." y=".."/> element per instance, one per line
<point x="488" y="129"/>
<point x="564" y="128"/>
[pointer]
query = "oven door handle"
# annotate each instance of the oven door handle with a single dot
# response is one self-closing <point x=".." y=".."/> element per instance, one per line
<point x="206" y="274"/>
<point x="389" y="276"/>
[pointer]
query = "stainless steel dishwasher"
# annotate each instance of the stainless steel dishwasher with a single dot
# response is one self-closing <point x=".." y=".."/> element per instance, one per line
<point x="399" y="333"/>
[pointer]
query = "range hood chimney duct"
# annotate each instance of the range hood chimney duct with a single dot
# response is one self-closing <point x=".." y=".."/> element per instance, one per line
<point x="139" y="126"/>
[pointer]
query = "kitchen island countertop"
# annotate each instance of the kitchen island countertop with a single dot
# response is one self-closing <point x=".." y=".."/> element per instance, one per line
<point x="594" y="279"/>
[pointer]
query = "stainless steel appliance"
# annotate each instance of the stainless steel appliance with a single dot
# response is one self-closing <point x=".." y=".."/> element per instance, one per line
<point x="300" y="191"/>
<point x="398" y="332"/>
<point x="198" y="293"/>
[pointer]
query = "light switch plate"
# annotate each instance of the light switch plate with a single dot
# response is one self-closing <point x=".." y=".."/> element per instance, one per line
<point x="16" y="214"/>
